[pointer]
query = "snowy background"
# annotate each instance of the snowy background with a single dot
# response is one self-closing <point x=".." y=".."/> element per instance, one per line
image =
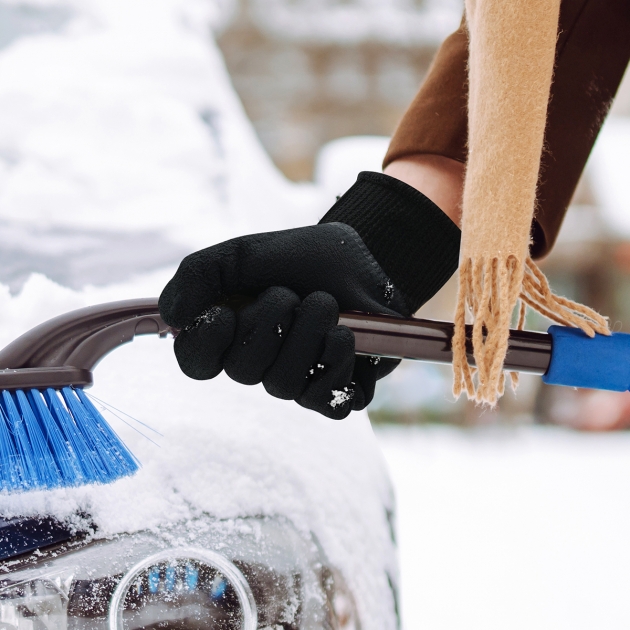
<point x="123" y="146"/>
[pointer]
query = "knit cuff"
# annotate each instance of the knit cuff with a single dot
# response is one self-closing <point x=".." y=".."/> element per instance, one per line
<point x="413" y="241"/>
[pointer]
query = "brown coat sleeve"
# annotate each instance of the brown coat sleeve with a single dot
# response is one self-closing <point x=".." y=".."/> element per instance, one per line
<point x="592" y="53"/>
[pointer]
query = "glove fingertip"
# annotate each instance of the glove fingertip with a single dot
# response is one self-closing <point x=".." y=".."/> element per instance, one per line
<point x="200" y="349"/>
<point x="360" y="400"/>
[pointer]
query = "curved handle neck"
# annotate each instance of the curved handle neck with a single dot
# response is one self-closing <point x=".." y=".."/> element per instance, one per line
<point x="80" y="338"/>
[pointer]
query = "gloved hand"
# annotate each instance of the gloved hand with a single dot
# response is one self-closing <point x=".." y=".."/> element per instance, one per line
<point x="382" y="248"/>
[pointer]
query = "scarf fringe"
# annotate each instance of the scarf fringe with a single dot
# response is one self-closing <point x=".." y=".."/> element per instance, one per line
<point x="489" y="290"/>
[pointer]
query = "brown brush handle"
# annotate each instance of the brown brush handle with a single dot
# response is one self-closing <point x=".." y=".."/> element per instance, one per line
<point x="82" y="337"/>
<point x="428" y="340"/>
<point x="64" y="350"/>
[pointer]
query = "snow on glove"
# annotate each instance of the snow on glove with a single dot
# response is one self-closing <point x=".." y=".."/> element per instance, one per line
<point x="382" y="248"/>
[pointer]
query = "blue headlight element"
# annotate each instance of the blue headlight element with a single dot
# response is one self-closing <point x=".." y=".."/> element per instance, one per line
<point x="180" y="584"/>
<point x="219" y="584"/>
<point x="154" y="579"/>
<point x="169" y="579"/>
<point x="192" y="577"/>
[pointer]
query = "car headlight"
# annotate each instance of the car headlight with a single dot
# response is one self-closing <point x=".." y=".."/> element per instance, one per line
<point x="190" y="587"/>
<point x="178" y="588"/>
<point x="240" y="574"/>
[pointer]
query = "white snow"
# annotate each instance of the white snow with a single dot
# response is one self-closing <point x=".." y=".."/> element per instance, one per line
<point x="126" y="119"/>
<point x="515" y="529"/>
<point x="608" y="166"/>
<point x="339" y="397"/>
<point x="339" y="161"/>
<point x="121" y="126"/>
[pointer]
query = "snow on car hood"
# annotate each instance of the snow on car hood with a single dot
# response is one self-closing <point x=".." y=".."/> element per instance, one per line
<point x="122" y="147"/>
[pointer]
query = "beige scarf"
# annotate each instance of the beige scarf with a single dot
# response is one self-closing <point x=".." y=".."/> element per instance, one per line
<point x="512" y="48"/>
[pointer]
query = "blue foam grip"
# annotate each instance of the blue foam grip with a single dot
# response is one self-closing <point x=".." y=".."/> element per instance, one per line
<point x="579" y="361"/>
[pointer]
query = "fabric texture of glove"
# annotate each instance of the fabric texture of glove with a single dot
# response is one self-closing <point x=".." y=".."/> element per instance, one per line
<point x="287" y="336"/>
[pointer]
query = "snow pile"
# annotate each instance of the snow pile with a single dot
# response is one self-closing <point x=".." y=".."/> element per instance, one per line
<point x="123" y="118"/>
<point x="119" y="125"/>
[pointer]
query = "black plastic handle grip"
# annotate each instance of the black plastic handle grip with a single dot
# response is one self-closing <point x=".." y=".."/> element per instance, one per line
<point x="64" y="350"/>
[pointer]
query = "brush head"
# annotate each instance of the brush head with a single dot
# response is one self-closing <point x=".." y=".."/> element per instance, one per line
<point x="54" y="439"/>
<point x="51" y="435"/>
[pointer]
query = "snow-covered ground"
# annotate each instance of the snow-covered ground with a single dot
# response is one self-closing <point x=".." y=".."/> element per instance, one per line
<point x="515" y="529"/>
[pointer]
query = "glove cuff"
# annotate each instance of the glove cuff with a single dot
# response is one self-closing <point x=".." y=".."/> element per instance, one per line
<point x="414" y="242"/>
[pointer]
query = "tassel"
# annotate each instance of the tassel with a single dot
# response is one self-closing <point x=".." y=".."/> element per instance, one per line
<point x="489" y="291"/>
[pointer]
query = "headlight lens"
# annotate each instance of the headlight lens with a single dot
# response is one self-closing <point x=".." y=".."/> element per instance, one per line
<point x="200" y="574"/>
<point x="183" y="588"/>
<point x="35" y="604"/>
<point x="180" y="588"/>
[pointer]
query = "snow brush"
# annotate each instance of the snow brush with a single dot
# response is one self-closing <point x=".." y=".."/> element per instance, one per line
<point x="52" y="436"/>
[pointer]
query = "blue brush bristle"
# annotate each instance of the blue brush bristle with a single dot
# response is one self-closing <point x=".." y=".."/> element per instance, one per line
<point x="57" y="439"/>
<point x="10" y="464"/>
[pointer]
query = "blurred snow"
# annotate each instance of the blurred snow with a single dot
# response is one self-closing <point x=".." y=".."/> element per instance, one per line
<point x="399" y="22"/>
<point x="18" y="20"/>
<point x="609" y="166"/>
<point x="515" y="529"/>
<point x="123" y="117"/>
<point x="415" y="386"/>
<point x="338" y="163"/>
<point x="75" y="257"/>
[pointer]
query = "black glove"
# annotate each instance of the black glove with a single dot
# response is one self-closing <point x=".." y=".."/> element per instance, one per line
<point x="382" y="248"/>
